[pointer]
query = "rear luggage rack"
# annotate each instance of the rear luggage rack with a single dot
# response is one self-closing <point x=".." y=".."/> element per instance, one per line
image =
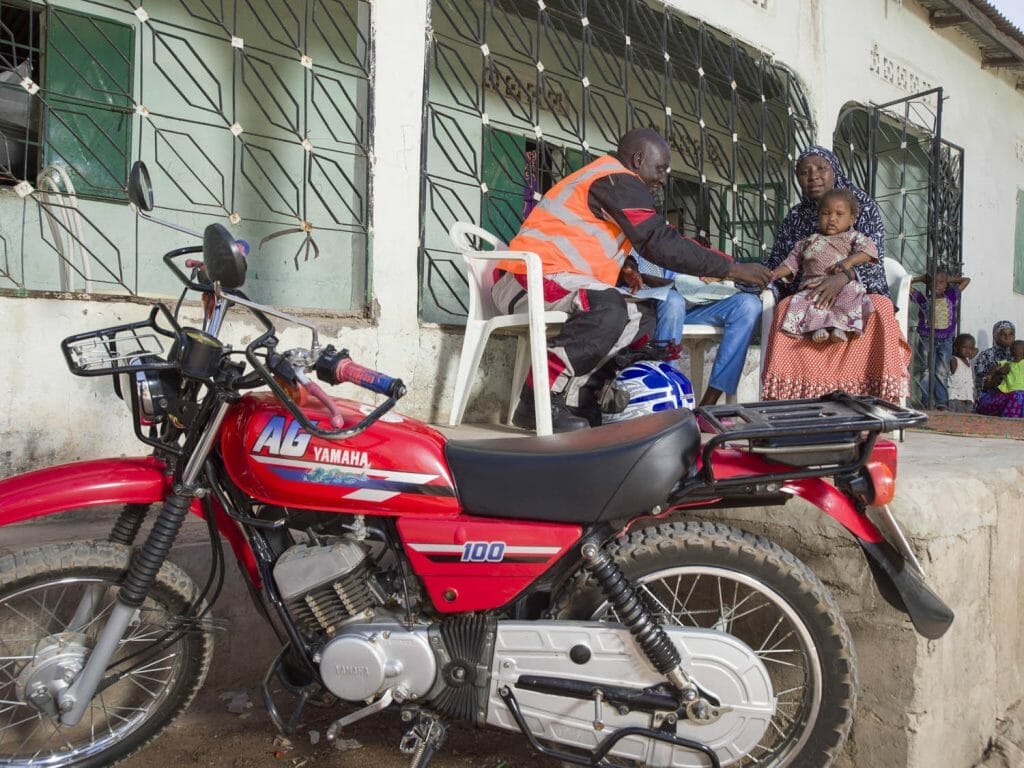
<point x="832" y="435"/>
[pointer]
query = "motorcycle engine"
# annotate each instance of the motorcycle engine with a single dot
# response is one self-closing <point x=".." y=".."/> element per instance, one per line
<point x="362" y="652"/>
<point x="324" y="585"/>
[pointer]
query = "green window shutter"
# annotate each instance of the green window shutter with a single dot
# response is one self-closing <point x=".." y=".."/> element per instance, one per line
<point x="573" y="159"/>
<point x="1018" y="246"/>
<point x="504" y="160"/>
<point x="88" y="81"/>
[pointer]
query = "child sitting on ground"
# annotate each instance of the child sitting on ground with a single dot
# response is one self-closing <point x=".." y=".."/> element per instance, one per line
<point x="836" y="247"/>
<point x="961" y="376"/>
<point x="1013" y="381"/>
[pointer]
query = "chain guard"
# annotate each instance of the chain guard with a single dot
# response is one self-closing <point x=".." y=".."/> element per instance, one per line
<point x="602" y="654"/>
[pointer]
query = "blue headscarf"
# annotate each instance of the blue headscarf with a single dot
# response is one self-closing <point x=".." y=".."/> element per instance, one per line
<point x="802" y="221"/>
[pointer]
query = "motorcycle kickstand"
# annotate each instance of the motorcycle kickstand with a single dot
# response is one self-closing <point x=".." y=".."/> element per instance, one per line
<point x="424" y="740"/>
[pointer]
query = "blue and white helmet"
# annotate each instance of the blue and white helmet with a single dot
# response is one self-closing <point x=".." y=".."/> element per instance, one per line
<point x="652" y="385"/>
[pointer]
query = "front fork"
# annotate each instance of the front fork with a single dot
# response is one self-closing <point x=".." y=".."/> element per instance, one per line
<point x="124" y="532"/>
<point x="139" y="579"/>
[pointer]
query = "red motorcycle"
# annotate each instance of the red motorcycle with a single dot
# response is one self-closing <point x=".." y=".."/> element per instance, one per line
<point x="469" y="581"/>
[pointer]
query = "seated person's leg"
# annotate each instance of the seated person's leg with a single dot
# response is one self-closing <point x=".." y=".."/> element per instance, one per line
<point x="608" y="325"/>
<point x="737" y="315"/>
<point x="671" y="316"/>
<point x="600" y="323"/>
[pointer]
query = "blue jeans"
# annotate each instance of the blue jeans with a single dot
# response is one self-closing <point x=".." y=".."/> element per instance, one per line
<point x="940" y="365"/>
<point x="737" y="314"/>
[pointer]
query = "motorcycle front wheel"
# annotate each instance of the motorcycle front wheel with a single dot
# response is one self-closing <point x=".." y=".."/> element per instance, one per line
<point x="53" y="602"/>
<point x="698" y="574"/>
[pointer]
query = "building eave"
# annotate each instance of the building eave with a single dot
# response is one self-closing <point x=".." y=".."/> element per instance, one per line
<point x="1000" y="43"/>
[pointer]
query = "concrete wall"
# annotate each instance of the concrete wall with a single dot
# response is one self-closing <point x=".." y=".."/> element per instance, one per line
<point x="929" y="703"/>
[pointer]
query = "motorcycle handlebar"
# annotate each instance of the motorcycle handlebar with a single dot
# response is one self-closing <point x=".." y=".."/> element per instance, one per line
<point x="336" y="367"/>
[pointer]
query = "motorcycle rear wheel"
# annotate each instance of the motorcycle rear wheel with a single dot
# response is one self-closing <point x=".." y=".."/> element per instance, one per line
<point x="40" y="590"/>
<point x="699" y="574"/>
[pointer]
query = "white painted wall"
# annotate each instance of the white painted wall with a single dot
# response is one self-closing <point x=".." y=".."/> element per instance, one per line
<point x="828" y="44"/>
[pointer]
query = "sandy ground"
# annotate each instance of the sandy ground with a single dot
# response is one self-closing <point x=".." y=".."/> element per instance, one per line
<point x="208" y="734"/>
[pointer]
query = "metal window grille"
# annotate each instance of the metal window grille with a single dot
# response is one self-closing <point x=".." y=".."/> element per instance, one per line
<point x="897" y="154"/>
<point x="253" y="113"/>
<point x="568" y="78"/>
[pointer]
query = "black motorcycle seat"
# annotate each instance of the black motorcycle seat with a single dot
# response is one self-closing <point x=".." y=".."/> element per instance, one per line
<point x="614" y="471"/>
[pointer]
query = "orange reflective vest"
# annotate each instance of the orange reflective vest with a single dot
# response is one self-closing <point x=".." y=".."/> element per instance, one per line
<point x="567" y="236"/>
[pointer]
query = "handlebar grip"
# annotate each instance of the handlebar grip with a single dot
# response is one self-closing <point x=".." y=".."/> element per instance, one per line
<point x="336" y="367"/>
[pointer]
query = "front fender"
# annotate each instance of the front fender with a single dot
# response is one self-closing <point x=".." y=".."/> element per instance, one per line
<point x="83" y="484"/>
<point x="106" y="482"/>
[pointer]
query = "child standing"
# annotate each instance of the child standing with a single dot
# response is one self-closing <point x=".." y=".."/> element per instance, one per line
<point x="945" y="307"/>
<point x="961" y="375"/>
<point x="837" y="247"/>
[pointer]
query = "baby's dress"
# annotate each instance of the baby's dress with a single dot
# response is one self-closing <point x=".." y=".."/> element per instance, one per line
<point x="815" y="255"/>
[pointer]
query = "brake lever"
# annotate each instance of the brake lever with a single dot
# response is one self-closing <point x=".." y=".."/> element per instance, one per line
<point x="337" y="420"/>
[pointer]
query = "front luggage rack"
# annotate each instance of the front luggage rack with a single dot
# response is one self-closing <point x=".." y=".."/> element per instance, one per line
<point x="132" y="347"/>
<point x="829" y="436"/>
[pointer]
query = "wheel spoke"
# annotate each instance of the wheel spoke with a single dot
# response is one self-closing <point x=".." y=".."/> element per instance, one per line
<point x="39" y="602"/>
<point x="735" y="601"/>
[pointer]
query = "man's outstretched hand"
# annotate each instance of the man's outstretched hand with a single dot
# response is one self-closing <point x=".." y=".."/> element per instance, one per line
<point x="756" y="274"/>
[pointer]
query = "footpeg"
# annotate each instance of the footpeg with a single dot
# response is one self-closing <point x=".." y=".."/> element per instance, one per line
<point x="423" y="740"/>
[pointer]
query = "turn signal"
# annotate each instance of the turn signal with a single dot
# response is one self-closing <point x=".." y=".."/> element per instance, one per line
<point x="883" y="481"/>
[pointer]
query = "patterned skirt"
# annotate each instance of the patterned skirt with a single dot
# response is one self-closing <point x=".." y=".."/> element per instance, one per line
<point x="875" y="363"/>
<point x="1009" y="405"/>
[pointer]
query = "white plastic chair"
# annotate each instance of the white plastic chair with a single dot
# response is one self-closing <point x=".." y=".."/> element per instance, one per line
<point x="899" y="288"/>
<point x="484" y="318"/>
<point x="59" y="203"/>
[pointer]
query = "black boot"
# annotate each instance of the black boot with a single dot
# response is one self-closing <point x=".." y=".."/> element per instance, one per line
<point x="562" y="419"/>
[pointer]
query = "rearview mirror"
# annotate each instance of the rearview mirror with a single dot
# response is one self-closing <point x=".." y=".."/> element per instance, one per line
<point x="222" y="257"/>
<point x="140" y="190"/>
<point x="140" y="194"/>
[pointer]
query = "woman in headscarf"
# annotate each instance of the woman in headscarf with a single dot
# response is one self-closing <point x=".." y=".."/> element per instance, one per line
<point x="990" y="368"/>
<point x="876" y="363"/>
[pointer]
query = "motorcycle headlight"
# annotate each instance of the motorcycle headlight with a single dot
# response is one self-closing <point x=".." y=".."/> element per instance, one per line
<point x="149" y="390"/>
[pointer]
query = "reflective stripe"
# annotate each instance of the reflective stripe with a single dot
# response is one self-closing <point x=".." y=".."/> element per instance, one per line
<point x="558" y="210"/>
<point x="563" y="244"/>
<point x="555" y="206"/>
<point x="585" y="173"/>
<point x="567" y="235"/>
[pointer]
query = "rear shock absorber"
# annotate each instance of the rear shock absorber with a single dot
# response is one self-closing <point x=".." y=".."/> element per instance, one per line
<point x="631" y="611"/>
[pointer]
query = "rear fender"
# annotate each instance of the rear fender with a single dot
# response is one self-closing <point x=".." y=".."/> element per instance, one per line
<point x="106" y="482"/>
<point x="930" y="615"/>
<point x="836" y="505"/>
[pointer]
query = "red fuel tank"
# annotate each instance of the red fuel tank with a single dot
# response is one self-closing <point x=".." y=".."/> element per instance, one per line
<point x="395" y="467"/>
